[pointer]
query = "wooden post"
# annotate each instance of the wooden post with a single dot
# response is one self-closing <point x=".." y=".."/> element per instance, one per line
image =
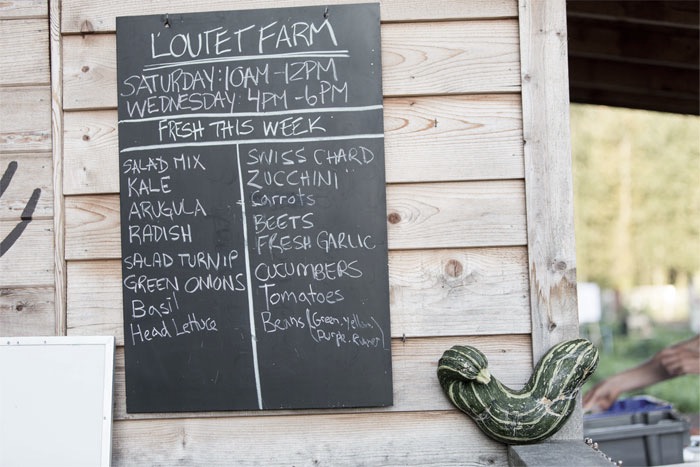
<point x="548" y="179"/>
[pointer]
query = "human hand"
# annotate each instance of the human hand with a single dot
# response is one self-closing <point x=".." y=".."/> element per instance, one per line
<point x="601" y="396"/>
<point x="680" y="360"/>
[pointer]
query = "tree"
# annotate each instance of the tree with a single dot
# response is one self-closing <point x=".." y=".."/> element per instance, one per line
<point x="636" y="195"/>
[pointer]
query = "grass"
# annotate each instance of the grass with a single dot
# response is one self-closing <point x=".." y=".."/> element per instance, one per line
<point x="628" y="351"/>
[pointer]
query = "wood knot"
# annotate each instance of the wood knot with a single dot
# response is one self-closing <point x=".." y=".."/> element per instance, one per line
<point x="85" y="69"/>
<point x="19" y="307"/>
<point x="86" y="137"/>
<point x="560" y="266"/>
<point x="394" y="218"/>
<point x="454" y="268"/>
<point x="86" y="27"/>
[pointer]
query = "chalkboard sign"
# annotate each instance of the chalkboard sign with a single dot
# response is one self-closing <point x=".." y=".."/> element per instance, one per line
<point x="253" y="210"/>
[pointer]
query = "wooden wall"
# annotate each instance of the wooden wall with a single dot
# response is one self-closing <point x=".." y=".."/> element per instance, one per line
<point x="27" y="291"/>
<point x="479" y="218"/>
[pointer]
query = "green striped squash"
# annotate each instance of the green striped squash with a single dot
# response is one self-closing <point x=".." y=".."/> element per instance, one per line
<point x="530" y="414"/>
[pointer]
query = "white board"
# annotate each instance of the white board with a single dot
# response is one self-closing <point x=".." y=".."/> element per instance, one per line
<point x="56" y="401"/>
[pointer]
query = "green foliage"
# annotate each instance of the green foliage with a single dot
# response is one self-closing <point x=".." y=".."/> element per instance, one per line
<point x="636" y="194"/>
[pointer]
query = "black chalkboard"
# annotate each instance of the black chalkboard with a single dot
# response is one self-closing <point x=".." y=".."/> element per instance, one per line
<point x="253" y="210"/>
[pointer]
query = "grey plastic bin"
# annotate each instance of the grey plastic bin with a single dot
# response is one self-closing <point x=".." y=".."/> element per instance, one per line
<point x="652" y="435"/>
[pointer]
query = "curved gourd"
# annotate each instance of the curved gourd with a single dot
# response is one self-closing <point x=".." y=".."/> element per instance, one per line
<point x="530" y="414"/>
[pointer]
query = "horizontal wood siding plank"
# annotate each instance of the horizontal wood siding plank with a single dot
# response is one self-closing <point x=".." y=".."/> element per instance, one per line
<point x="89" y="71"/>
<point x="91" y="152"/>
<point x="25" y="52"/>
<point x="634" y="99"/>
<point x="432" y="293"/>
<point x="453" y="138"/>
<point x="27" y="311"/>
<point x="447" y="138"/>
<point x="94" y="299"/>
<point x="25" y="120"/>
<point x="450" y="58"/>
<point x="454" y="215"/>
<point x="10" y="9"/>
<point x="92" y="227"/>
<point x="28" y="262"/>
<point x="414" y="365"/>
<point x="422" y="216"/>
<point x="29" y="173"/>
<point x="89" y="16"/>
<point x="459" y="291"/>
<point x="400" y="439"/>
<point x="417" y="59"/>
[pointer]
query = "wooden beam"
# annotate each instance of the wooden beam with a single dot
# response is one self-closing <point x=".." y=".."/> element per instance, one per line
<point x="683" y="13"/>
<point x="634" y="43"/>
<point x="654" y="80"/>
<point x="634" y="100"/>
<point x="634" y="85"/>
<point x="643" y="55"/>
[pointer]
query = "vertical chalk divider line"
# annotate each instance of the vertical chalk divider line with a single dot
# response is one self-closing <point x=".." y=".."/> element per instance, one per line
<point x="249" y="285"/>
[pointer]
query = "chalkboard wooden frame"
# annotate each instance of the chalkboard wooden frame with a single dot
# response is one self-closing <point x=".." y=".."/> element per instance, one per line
<point x="253" y="210"/>
<point x="56" y="400"/>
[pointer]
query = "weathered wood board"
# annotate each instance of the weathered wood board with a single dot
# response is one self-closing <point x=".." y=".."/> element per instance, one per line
<point x="25" y="122"/>
<point x="27" y="311"/>
<point x="393" y="438"/>
<point x="29" y="260"/>
<point x="26" y="57"/>
<point x="29" y="189"/>
<point x="85" y="16"/>
<point x="13" y="9"/>
<point x="27" y="301"/>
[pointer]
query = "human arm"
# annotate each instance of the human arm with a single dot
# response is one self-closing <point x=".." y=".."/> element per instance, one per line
<point x="678" y="359"/>
<point x="601" y="396"/>
<point x="682" y="358"/>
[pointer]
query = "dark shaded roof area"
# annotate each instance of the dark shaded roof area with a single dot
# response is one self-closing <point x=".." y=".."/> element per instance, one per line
<point x="636" y="54"/>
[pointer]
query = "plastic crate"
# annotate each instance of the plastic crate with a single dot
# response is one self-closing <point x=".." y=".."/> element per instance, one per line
<point x="639" y="431"/>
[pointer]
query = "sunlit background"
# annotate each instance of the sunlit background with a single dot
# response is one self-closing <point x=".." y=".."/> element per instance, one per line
<point x="637" y="214"/>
